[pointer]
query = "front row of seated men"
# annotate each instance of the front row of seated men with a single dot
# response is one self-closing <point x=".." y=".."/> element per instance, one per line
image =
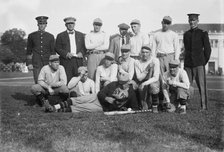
<point x="128" y="84"/>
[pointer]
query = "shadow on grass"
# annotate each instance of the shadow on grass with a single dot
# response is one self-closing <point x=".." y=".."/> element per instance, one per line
<point x="208" y="141"/>
<point x="130" y="141"/>
<point x="215" y="121"/>
<point x="29" y="99"/>
<point x="39" y="142"/>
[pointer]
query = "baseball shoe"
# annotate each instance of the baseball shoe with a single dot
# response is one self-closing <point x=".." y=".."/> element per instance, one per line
<point x="170" y="107"/>
<point x="181" y="111"/>
<point x="48" y="107"/>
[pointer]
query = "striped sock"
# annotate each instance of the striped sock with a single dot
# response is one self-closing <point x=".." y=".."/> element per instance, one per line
<point x="66" y="104"/>
<point x="67" y="109"/>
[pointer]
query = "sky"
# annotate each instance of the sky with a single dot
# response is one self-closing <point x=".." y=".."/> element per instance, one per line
<point x="21" y="13"/>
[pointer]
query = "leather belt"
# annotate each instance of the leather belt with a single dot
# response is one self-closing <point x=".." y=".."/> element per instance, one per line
<point x="97" y="52"/>
<point x="163" y="54"/>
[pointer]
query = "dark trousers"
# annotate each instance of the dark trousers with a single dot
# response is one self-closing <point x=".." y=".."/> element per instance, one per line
<point x="198" y="73"/>
<point x="71" y="66"/>
<point x="36" y="70"/>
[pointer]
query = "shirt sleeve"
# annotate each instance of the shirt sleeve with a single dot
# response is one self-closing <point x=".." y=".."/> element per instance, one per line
<point x="29" y="45"/>
<point x="207" y="47"/>
<point x="89" y="44"/>
<point x="184" y="80"/>
<point x="139" y="73"/>
<point x="131" y="69"/>
<point x="105" y="45"/>
<point x="145" y="39"/>
<point x="113" y="75"/>
<point x="73" y="82"/>
<point x="154" y="45"/>
<point x="156" y="72"/>
<point x="176" y="46"/>
<point x="42" y="78"/>
<point x="59" y="46"/>
<point x="52" y="44"/>
<point x="102" y="94"/>
<point x="97" y="82"/>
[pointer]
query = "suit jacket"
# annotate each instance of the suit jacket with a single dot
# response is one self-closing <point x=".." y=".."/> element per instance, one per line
<point x="62" y="45"/>
<point x="197" y="48"/>
<point x="115" y="46"/>
<point x="40" y="45"/>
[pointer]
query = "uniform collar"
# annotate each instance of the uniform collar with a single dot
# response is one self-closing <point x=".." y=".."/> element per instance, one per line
<point x="41" y="31"/>
<point x="194" y="29"/>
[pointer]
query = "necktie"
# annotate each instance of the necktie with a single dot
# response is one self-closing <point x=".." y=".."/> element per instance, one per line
<point x="123" y="42"/>
<point x="71" y="32"/>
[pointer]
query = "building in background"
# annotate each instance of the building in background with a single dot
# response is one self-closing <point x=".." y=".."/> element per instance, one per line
<point x="216" y="36"/>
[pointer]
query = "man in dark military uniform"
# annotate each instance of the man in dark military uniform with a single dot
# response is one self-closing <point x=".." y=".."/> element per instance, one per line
<point x="197" y="54"/>
<point x="40" y="46"/>
<point x="70" y="45"/>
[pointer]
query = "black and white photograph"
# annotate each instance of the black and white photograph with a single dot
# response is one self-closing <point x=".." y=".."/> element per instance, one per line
<point x="111" y="76"/>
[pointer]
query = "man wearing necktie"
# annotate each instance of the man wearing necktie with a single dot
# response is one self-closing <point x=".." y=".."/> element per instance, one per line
<point x="70" y="46"/>
<point x="40" y="45"/>
<point x="117" y="40"/>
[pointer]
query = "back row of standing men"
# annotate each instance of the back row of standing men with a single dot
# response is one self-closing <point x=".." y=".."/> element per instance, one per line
<point x="73" y="46"/>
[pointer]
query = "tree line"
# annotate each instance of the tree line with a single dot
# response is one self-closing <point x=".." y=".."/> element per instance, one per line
<point x="13" y="46"/>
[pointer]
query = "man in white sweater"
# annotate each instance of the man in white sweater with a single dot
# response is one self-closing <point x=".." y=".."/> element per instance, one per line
<point x="165" y="44"/>
<point x="138" y="39"/>
<point x="52" y="80"/>
<point x="97" y="44"/>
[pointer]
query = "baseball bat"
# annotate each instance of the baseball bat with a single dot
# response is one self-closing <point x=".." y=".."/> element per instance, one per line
<point x="111" y="113"/>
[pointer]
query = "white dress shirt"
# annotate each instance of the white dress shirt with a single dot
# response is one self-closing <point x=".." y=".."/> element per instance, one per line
<point x="72" y="44"/>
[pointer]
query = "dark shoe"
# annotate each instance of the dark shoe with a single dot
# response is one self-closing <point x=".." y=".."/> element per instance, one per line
<point x="170" y="107"/>
<point x="48" y="107"/>
<point x="182" y="111"/>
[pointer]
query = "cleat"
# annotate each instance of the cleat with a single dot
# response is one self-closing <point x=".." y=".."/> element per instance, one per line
<point x="48" y="107"/>
<point x="182" y="111"/>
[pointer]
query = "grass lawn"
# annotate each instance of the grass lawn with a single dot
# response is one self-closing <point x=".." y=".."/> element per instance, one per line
<point x="25" y="128"/>
<point x="15" y="74"/>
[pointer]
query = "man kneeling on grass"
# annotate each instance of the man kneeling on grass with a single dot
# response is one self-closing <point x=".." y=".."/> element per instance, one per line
<point x="52" y="80"/>
<point x="118" y="95"/>
<point x="84" y="98"/>
<point x="176" y="86"/>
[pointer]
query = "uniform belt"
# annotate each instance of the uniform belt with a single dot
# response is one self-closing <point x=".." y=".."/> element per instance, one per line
<point x="164" y="54"/>
<point x="97" y="52"/>
<point x="75" y="57"/>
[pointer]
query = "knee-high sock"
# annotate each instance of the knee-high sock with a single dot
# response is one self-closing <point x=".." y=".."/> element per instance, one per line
<point x="67" y="109"/>
<point x="155" y="99"/>
<point x="182" y="101"/>
<point x="66" y="104"/>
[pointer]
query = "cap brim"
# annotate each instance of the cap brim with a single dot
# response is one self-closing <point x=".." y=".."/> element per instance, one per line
<point x="97" y="23"/>
<point x="108" y="58"/>
<point x="125" y="50"/>
<point x="173" y="65"/>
